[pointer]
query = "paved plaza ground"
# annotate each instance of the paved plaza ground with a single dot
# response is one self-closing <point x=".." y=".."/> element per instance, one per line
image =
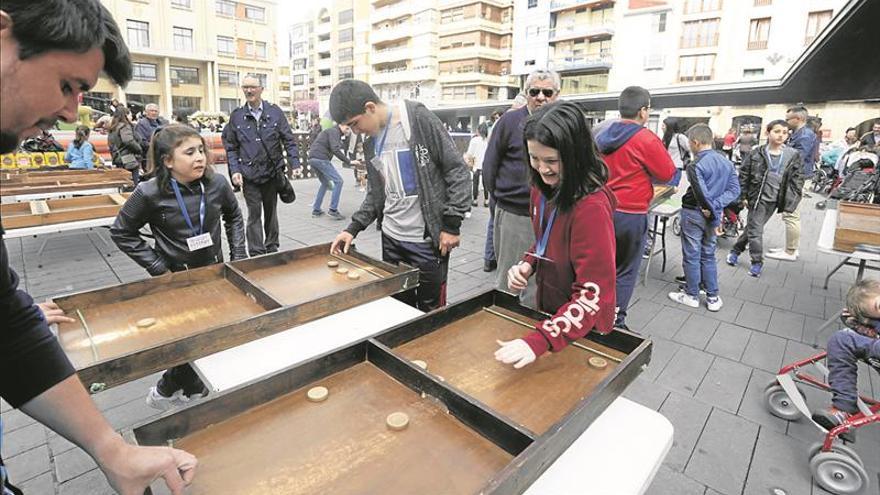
<point x="707" y="373"/>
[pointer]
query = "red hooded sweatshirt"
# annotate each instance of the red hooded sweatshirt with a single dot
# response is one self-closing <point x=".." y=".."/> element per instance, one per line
<point x="578" y="285"/>
<point x="635" y="157"/>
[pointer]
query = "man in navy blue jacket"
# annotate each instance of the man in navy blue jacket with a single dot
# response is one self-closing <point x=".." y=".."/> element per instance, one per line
<point x="714" y="185"/>
<point x="254" y="139"/>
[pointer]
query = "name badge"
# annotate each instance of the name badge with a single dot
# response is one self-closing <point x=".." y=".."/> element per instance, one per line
<point x="199" y="242"/>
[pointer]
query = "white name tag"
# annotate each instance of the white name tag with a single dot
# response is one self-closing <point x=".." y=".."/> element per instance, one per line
<point x="199" y="242"/>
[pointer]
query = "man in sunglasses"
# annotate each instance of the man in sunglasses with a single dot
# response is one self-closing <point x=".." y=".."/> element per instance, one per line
<point x="505" y="177"/>
<point x="636" y="158"/>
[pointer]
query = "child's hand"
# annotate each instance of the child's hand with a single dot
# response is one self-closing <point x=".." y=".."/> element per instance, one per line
<point x="518" y="276"/>
<point x="515" y="351"/>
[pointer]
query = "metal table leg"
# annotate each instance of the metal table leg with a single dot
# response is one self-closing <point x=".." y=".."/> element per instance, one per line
<point x="832" y="272"/>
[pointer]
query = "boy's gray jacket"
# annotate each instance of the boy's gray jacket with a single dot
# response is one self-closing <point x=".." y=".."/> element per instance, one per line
<point x="444" y="179"/>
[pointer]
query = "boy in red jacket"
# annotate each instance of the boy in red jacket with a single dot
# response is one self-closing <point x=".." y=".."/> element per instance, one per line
<point x="636" y="158"/>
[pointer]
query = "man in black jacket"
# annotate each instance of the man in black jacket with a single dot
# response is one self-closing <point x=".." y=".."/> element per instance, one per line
<point x="46" y="63"/>
<point x="255" y="139"/>
<point x="419" y="183"/>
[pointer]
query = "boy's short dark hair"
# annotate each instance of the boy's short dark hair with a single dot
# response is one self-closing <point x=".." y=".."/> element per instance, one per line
<point x="701" y="133"/>
<point x="348" y="98"/>
<point x="631" y="100"/>
<point x="776" y="122"/>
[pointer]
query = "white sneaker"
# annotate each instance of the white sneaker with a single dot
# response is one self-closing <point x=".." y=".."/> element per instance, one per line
<point x="714" y="303"/>
<point x="683" y="298"/>
<point x="467" y="214"/>
<point x="797" y="252"/>
<point x="783" y="256"/>
<point x="162" y="403"/>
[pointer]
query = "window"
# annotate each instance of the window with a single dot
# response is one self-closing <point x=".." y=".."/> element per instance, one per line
<point x="759" y="31"/>
<point x="138" y="34"/>
<point x="816" y="22"/>
<point x="753" y="72"/>
<point x="255" y="13"/>
<point x="696" y="68"/>
<point x="225" y="8"/>
<point x="654" y="61"/>
<point x="259" y="77"/>
<point x="260" y="49"/>
<point x="760" y="3"/>
<point x="187" y="102"/>
<point x="299" y="49"/>
<point x="225" y="45"/>
<point x="533" y="4"/>
<point x="186" y="4"/>
<point x="143" y="71"/>
<point x="184" y="75"/>
<point x="346" y="35"/>
<point x="141" y="100"/>
<point x="183" y="39"/>
<point x="299" y="64"/>
<point x="299" y="80"/>
<point x="227" y="77"/>
<point x="703" y="33"/>
<point x="346" y="16"/>
<point x="346" y="72"/>
<point x="658" y="23"/>
<point x="345" y="55"/>
<point x="696" y="6"/>
<point x="227" y="105"/>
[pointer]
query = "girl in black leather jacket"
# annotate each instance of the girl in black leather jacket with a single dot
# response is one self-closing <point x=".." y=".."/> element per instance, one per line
<point x="183" y="204"/>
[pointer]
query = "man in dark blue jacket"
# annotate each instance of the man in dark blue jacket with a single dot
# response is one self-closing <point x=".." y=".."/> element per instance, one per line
<point x="255" y="138"/>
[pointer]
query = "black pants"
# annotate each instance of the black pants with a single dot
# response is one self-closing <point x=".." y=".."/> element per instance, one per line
<point x="753" y="237"/>
<point x="476" y="192"/>
<point x="262" y="206"/>
<point x="433" y="269"/>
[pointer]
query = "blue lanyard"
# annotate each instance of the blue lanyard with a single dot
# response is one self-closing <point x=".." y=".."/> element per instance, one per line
<point x="186" y="213"/>
<point x="541" y="246"/>
<point x="381" y="144"/>
<point x="774" y="167"/>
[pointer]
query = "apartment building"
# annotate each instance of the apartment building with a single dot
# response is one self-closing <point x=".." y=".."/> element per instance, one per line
<point x="302" y="63"/>
<point x="192" y="54"/>
<point x="475" y="40"/>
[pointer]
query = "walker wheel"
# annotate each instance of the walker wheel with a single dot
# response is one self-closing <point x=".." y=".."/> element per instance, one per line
<point x="838" y="447"/>
<point x="839" y="473"/>
<point x="780" y="404"/>
<point x="676" y="226"/>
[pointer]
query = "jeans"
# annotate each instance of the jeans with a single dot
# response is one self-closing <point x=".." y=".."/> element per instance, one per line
<point x="845" y="349"/>
<point x="327" y="174"/>
<point x="261" y="199"/>
<point x="433" y="271"/>
<point x="476" y="186"/>
<point x="629" y="235"/>
<point x="489" y="248"/>
<point x="754" y="233"/>
<point x="698" y="253"/>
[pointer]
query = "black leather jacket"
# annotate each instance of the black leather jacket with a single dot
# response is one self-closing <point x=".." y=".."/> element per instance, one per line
<point x="753" y="174"/>
<point x="150" y="205"/>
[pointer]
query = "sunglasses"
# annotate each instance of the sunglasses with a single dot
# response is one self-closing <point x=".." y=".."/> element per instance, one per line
<point x="548" y="93"/>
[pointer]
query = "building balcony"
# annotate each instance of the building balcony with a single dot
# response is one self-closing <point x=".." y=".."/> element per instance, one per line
<point x="391" y="55"/>
<point x="478" y="78"/>
<point x="563" y="5"/>
<point x="324" y="46"/>
<point x="459" y="53"/>
<point x="393" y="11"/>
<point x="582" y="63"/>
<point x="475" y="24"/>
<point x="324" y="81"/>
<point x="580" y="31"/>
<point x="324" y="63"/>
<point x="395" y="33"/>
<point x="323" y="27"/>
<point x="403" y="75"/>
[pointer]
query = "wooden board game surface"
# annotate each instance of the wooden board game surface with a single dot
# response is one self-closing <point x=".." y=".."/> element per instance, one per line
<point x="303" y="279"/>
<point x="342" y="445"/>
<point x="178" y="311"/>
<point x="57" y="211"/>
<point x="536" y="396"/>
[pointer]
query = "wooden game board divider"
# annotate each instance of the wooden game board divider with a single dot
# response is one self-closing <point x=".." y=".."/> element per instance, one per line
<point x="530" y="326"/>
<point x="82" y="320"/>
<point x="352" y="260"/>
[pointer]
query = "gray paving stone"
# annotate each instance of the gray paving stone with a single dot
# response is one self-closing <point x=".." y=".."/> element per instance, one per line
<point x="14" y="419"/>
<point x="28" y="465"/>
<point x="778" y="297"/>
<point x="646" y="393"/>
<point x="661" y="354"/>
<point x="751" y="291"/>
<point x="43" y="484"/>
<point x="809" y="305"/>
<point x="667" y="322"/>
<point x="687" y="417"/>
<point x="780" y="462"/>
<point x="729" y="341"/>
<point x="91" y="483"/>
<point x="685" y="371"/>
<point x="639" y="314"/>
<point x="722" y="454"/>
<point x="786" y="324"/>
<point x="724" y="384"/>
<point x="754" y="316"/>
<point x="130" y="413"/>
<point x="696" y="331"/>
<point x="72" y="463"/>
<point x="764" y="351"/>
<point x="669" y="482"/>
<point x="753" y="406"/>
<point x="729" y="311"/>
<point x="23" y="439"/>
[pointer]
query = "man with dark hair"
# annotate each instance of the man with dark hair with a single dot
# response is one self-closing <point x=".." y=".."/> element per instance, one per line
<point x="419" y="184"/>
<point x="636" y="158"/>
<point x="505" y="176"/>
<point x="873" y="138"/>
<point x="51" y="52"/>
<point x="255" y="138"/>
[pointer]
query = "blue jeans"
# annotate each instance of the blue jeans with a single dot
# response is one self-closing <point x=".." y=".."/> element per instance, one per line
<point x="698" y="252"/>
<point x="489" y="248"/>
<point x="326" y="174"/>
<point x="845" y="349"/>
<point x="629" y="234"/>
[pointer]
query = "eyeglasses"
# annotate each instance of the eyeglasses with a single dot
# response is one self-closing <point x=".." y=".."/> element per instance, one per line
<point x="548" y="93"/>
<point x="250" y="87"/>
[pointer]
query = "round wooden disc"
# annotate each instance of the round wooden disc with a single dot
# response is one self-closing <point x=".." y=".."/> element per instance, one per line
<point x="342" y="270"/>
<point x="317" y="394"/>
<point x="332" y="263"/>
<point x="354" y="275"/>
<point x="421" y="364"/>
<point x="397" y="421"/>
<point x="146" y="322"/>
<point x="597" y="362"/>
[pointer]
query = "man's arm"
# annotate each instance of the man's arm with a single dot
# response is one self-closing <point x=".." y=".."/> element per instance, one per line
<point x="455" y="172"/>
<point x="745" y="174"/>
<point x="230" y="144"/>
<point x="495" y="151"/>
<point x="335" y="142"/>
<point x="288" y="141"/>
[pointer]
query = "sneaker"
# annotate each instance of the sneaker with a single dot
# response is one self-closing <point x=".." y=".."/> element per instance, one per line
<point x="797" y="252"/>
<point x="467" y="214"/>
<point x="681" y="279"/>
<point x="336" y="215"/>
<point x="783" y="256"/>
<point x="714" y="303"/>
<point x="832" y="418"/>
<point x="317" y="213"/>
<point x="162" y="403"/>
<point x="474" y="203"/>
<point x="490" y="265"/>
<point x="732" y="258"/>
<point x="756" y="269"/>
<point x="647" y="252"/>
<point x="683" y="298"/>
<point x="486" y="203"/>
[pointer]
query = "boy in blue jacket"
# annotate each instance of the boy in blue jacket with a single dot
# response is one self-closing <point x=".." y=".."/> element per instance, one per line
<point x="713" y="185"/>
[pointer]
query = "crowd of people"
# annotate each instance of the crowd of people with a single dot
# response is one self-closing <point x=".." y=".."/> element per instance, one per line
<point x="569" y="211"/>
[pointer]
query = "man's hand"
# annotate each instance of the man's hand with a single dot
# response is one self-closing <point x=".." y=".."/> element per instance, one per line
<point x="448" y="242"/>
<point x="236" y="179"/>
<point x="518" y="276"/>
<point x="344" y="239"/>
<point x="53" y="313"/>
<point x="515" y="351"/>
<point x="131" y="469"/>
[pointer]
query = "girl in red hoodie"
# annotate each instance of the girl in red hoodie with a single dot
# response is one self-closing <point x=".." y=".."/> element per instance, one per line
<point x="572" y="215"/>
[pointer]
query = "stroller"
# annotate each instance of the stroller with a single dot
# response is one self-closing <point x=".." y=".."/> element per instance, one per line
<point x="859" y="184"/>
<point x="834" y="465"/>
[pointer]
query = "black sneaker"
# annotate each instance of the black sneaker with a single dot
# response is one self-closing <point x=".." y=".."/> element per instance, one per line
<point x="490" y="265"/>
<point x="682" y="283"/>
<point x="335" y="215"/>
<point x="316" y="214"/>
